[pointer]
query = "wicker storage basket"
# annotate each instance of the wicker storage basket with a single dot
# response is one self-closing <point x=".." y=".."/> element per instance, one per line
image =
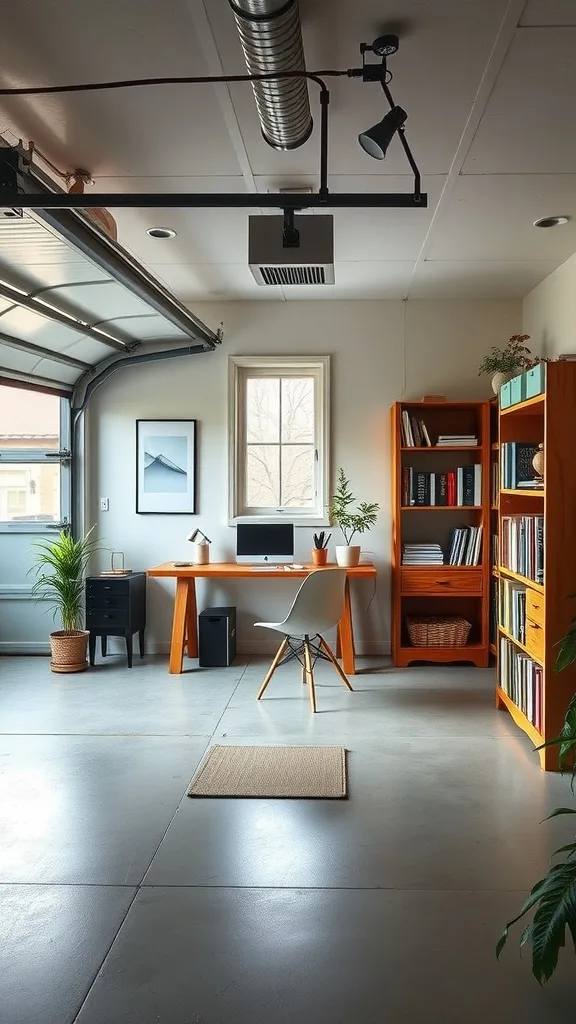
<point x="69" y="650"/>
<point x="438" y="631"/>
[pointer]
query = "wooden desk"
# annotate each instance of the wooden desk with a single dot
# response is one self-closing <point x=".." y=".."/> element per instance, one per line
<point x="185" y="621"/>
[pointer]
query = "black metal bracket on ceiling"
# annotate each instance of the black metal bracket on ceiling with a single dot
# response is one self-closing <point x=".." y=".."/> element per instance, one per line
<point x="11" y="197"/>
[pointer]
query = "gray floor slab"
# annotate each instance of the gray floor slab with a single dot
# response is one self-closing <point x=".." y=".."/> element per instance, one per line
<point x="88" y="809"/>
<point x="113" y="699"/>
<point x="53" y="940"/>
<point x="192" y="956"/>
<point x="421" y="814"/>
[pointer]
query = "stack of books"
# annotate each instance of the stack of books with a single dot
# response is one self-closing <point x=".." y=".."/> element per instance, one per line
<point x="414" y="432"/>
<point x="422" y="554"/>
<point x="457" y="487"/>
<point x="457" y="441"/>
<point x="522" y="546"/>
<point x="521" y="680"/>
<point x="465" y="546"/>
<point x="512" y="609"/>
<point x="516" y="469"/>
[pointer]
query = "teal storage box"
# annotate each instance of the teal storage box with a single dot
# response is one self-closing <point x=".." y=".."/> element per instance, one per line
<point x="517" y="389"/>
<point x="535" y="380"/>
<point x="504" y="395"/>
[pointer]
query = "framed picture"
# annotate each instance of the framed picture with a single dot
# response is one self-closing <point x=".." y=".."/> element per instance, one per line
<point x="165" y="467"/>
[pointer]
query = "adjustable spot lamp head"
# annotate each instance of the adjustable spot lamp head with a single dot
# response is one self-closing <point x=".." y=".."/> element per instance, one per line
<point x="195" y="534"/>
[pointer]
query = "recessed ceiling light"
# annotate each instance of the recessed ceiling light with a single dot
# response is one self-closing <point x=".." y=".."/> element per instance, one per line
<point x="161" y="233"/>
<point x="550" y="222"/>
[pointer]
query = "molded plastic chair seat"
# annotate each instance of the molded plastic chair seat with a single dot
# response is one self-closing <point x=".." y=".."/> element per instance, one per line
<point x="317" y="607"/>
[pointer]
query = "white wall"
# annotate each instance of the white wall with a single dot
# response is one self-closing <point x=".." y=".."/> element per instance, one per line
<point x="549" y="312"/>
<point x="381" y="351"/>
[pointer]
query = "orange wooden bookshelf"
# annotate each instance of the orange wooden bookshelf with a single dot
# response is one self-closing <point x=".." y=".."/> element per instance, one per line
<point x="440" y="590"/>
<point x="547" y="418"/>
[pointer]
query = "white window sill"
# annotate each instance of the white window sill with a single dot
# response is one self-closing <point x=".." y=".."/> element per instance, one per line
<point x="309" y="522"/>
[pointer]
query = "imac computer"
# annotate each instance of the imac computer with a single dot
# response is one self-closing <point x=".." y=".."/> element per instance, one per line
<point x="264" y="543"/>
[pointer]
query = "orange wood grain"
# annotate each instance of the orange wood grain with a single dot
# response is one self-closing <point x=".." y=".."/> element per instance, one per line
<point x="178" y="627"/>
<point x="231" y="570"/>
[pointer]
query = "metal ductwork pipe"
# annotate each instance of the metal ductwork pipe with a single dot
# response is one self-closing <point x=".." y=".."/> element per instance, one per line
<point x="271" y="37"/>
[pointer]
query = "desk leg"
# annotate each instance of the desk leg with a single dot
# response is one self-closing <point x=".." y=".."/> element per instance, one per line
<point x="178" y="626"/>
<point x="191" y="620"/>
<point x="346" y="634"/>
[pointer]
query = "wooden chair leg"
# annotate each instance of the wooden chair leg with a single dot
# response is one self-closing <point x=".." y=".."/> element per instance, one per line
<point x="304" y="674"/>
<point x="273" y="666"/>
<point x="309" y="673"/>
<point x="331" y="657"/>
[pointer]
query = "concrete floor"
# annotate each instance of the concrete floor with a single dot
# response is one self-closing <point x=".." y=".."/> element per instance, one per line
<point x="125" y="902"/>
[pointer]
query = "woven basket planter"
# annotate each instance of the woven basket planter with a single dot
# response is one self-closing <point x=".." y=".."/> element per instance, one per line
<point x="438" y="631"/>
<point x="69" y="650"/>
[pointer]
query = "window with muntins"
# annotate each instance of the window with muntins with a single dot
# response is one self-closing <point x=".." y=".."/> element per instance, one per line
<point x="279" y="411"/>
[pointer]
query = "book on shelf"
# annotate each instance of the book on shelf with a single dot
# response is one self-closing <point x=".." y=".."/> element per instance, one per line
<point x="494" y="611"/>
<point x="516" y="470"/>
<point x="465" y="546"/>
<point x="495" y="559"/>
<point x="422" y="554"/>
<point x="495" y="484"/>
<point x="414" y="432"/>
<point x="512" y="609"/>
<point x="457" y="441"/>
<point x="521" y="680"/>
<point x="457" y="487"/>
<point x="522" y="546"/>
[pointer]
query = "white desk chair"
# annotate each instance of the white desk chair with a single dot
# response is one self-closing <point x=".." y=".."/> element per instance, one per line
<point x="317" y="607"/>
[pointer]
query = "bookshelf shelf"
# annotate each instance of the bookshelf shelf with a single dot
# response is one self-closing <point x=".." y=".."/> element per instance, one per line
<point x="540" y="526"/>
<point x="520" y="718"/>
<point x="518" y="643"/>
<point x="503" y="571"/>
<point x="444" y="590"/>
<point x="529" y="406"/>
<point x="523" y="492"/>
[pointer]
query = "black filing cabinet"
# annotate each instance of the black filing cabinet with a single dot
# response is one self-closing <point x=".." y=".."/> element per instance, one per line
<point x="216" y="637"/>
<point x="116" y="606"/>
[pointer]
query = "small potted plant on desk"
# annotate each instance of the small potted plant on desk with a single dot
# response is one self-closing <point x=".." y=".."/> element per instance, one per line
<point x="60" y="569"/>
<point x="320" y="549"/>
<point x="350" y="523"/>
<point x="505" y="363"/>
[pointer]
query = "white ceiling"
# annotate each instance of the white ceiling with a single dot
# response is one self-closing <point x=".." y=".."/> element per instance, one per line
<point x="489" y="87"/>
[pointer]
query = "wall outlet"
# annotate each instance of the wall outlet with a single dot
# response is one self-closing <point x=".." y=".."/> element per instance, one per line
<point x="104" y="504"/>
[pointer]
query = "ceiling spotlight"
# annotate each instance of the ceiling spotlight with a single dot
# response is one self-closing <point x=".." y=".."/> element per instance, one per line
<point x="385" y="46"/>
<point x="161" y="233"/>
<point x="550" y="222"/>
<point x="376" y="140"/>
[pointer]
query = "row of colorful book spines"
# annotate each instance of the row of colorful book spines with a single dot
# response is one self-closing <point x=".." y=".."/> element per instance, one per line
<point x="459" y="487"/>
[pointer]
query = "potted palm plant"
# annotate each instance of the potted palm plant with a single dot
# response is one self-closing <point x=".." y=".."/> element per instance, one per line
<point x="350" y="522"/>
<point x="553" y="898"/>
<point x="60" y="568"/>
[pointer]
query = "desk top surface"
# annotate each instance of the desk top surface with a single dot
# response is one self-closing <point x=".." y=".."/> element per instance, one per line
<point x="231" y="569"/>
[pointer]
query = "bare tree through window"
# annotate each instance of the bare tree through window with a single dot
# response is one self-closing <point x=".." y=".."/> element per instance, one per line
<point x="280" y="446"/>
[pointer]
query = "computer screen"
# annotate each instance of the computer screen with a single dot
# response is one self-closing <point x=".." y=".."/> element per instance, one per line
<point x="265" y="542"/>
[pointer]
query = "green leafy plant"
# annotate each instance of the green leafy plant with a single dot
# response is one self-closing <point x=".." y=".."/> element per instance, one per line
<point x="341" y="512"/>
<point x="553" y="898"/>
<point x="514" y="356"/>
<point x="60" y="568"/>
<point x="321" y="540"/>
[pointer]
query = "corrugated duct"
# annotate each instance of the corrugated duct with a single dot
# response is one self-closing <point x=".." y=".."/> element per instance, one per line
<point x="271" y="37"/>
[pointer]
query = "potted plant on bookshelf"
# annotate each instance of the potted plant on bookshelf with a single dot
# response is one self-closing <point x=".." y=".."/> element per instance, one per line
<point x="505" y="363"/>
<point x="320" y="549"/>
<point x="60" y="568"/>
<point x="553" y="898"/>
<point x="350" y="522"/>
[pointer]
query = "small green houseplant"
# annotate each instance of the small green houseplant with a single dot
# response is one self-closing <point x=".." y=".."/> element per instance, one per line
<point x="320" y="549"/>
<point x="507" y="362"/>
<point x="553" y="898"/>
<point x="350" y="522"/>
<point x="60" y="568"/>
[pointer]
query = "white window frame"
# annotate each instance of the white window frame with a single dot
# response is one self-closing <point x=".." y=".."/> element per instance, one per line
<point x="239" y="369"/>
<point x="22" y="456"/>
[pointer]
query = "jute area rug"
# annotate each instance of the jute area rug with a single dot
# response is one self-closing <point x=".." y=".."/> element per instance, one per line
<point x="314" y="773"/>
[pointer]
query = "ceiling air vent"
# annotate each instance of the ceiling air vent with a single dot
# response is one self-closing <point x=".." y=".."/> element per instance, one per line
<point x="275" y="261"/>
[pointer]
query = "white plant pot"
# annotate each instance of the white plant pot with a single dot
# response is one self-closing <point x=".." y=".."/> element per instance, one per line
<point x="348" y="554"/>
<point x="500" y="378"/>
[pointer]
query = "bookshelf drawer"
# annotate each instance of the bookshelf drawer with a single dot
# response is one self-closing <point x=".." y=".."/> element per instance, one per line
<point x="534" y="640"/>
<point x="435" y="581"/>
<point x="535" y="607"/>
